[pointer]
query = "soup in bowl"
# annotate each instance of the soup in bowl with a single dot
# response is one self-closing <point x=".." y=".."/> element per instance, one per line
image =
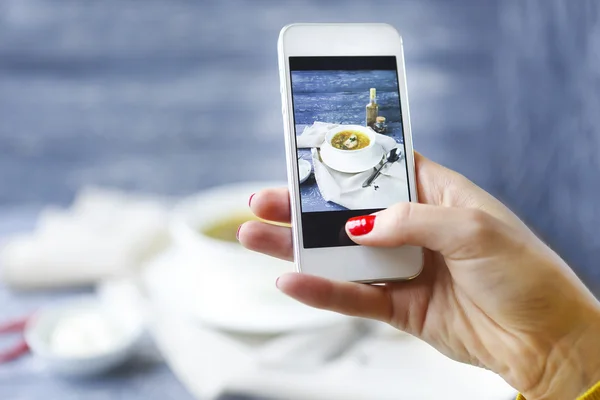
<point x="350" y="139"/>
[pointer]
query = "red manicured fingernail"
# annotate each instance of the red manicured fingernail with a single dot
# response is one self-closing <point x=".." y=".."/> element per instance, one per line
<point x="237" y="234"/>
<point x="362" y="225"/>
<point x="250" y="199"/>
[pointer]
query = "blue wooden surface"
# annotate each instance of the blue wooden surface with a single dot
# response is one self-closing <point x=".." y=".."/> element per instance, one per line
<point x="340" y="97"/>
<point x="172" y="97"/>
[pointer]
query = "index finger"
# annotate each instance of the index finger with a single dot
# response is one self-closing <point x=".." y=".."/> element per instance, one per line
<point x="349" y="298"/>
<point x="272" y="205"/>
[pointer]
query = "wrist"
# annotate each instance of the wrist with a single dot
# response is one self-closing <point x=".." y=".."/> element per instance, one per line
<point x="572" y="365"/>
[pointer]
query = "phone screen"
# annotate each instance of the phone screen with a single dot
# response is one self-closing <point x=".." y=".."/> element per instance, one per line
<point x="351" y="156"/>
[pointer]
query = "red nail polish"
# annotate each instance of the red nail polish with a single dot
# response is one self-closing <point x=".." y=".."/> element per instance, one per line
<point x="237" y="234"/>
<point x="362" y="225"/>
<point x="250" y="200"/>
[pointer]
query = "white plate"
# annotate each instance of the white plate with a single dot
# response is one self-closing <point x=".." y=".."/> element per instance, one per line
<point x="349" y="163"/>
<point x="168" y="282"/>
<point x="304" y="170"/>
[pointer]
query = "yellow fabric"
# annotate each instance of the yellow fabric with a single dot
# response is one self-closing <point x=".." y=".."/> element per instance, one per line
<point x="592" y="394"/>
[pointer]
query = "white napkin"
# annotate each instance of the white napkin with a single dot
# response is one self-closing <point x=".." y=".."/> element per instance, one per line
<point x="314" y="135"/>
<point x="104" y="233"/>
<point x="210" y="363"/>
<point x="346" y="189"/>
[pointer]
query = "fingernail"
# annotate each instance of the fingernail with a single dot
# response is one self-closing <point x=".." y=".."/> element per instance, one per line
<point x="277" y="282"/>
<point x="250" y="200"/>
<point x="237" y="234"/>
<point x="362" y="225"/>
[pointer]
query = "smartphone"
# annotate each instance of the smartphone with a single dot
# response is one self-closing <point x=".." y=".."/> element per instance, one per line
<point x="348" y="145"/>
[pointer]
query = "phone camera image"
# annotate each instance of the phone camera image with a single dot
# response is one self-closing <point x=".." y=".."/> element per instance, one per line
<point x="349" y="142"/>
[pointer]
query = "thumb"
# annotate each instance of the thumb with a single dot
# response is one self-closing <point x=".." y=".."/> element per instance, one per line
<point x="443" y="229"/>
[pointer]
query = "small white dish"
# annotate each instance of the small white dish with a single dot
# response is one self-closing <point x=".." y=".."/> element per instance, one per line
<point x="61" y="349"/>
<point x="304" y="170"/>
<point x="352" y="163"/>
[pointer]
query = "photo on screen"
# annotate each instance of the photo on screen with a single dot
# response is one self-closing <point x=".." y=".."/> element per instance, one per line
<point x="349" y="141"/>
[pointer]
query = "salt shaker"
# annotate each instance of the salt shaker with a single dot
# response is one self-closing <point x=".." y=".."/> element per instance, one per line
<point x="380" y="126"/>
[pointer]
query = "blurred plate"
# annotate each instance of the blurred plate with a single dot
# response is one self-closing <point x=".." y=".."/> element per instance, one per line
<point x="168" y="281"/>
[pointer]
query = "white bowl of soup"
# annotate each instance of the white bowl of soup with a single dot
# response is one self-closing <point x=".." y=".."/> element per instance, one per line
<point x="204" y="227"/>
<point x="351" y="139"/>
<point x="211" y="278"/>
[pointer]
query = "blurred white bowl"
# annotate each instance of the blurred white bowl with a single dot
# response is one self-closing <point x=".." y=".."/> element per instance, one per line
<point x="127" y="331"/>
<point x="219" y="260"/>
<point x="220" y="283"/>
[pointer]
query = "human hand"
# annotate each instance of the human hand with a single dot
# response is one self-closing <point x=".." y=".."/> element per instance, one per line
<point x="491" y="293"/>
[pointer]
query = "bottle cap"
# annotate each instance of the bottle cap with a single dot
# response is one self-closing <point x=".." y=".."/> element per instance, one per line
<point x="380" y="119"/>
<point x="373" y="92"/>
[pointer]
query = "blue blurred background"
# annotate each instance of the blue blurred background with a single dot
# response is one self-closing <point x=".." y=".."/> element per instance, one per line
<point x="170" y="97"/>
<point x="155" y="95"/>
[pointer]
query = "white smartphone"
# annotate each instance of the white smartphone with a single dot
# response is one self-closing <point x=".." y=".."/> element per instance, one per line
<point x="348" y="145"/>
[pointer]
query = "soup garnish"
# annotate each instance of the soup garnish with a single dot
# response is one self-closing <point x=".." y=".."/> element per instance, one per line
<point x="350" y="140"/>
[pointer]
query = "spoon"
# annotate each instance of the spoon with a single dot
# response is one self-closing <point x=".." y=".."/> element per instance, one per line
<point x="392" y="157"/>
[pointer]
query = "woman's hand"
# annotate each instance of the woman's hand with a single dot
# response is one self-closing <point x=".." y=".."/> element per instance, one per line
<point x="491" y="293"/>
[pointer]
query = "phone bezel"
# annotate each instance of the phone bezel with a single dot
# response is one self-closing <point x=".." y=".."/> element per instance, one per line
<point x="361" y="264"/>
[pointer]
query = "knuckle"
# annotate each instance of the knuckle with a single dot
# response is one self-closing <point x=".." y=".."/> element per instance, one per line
<point x="401" y="218"/>
<point x="402" y="213"/>
<point x="475" y="234"/>
<point x="479" y="224"/>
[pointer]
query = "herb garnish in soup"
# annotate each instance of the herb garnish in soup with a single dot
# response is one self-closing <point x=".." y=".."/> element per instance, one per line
<point x="350" y="140"/>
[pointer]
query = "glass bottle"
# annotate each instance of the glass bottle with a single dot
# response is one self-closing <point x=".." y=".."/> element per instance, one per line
<point x="372" y="109"/>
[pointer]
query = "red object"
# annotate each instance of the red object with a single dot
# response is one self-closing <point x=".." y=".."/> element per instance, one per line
<point x="362" y="225"/>
<point x="18" y="349"/>
<point x="250" y="200"/>
<point x="17" y="325"/>
<point x="14" y="352"/>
